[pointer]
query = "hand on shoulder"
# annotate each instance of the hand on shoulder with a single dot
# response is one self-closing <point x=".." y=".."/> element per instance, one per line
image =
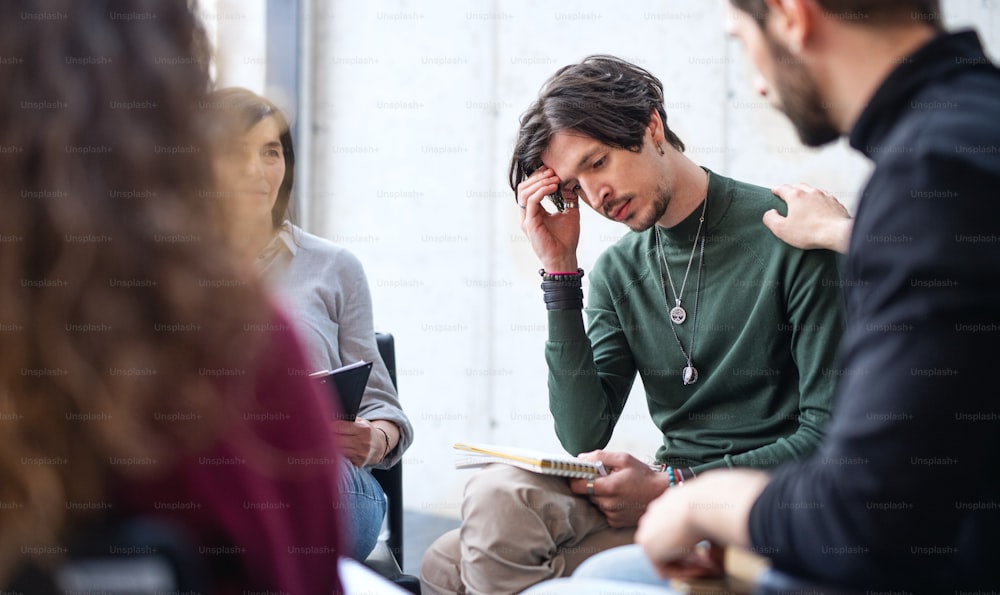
<point x="816" y="219"/>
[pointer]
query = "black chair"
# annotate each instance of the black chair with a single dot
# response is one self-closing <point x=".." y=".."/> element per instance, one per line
<point x="387" y="558"/>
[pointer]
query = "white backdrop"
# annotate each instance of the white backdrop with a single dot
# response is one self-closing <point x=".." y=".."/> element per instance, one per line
<point x="415" y="105"/>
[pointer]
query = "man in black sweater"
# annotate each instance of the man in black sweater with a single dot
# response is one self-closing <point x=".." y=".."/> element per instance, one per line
<point x="904" y="494"/>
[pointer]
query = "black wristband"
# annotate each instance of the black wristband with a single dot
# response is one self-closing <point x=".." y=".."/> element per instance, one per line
<point x="563" y="298"/>
<point x="562" y="292"/>
<point x="561" y="286"/>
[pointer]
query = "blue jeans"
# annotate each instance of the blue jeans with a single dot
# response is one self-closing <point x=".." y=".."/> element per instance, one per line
<point x="364" y="506"/>
<point x="622" y="570"/>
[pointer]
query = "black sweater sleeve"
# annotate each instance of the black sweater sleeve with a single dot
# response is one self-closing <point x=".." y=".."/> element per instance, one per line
<point x="900" y="494"/>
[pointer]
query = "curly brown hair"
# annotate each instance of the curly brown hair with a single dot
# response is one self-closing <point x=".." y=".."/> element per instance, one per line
<point x="118" y="304"/>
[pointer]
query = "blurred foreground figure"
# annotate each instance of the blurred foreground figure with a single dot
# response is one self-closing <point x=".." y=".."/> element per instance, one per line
<point x="143" y="372"/>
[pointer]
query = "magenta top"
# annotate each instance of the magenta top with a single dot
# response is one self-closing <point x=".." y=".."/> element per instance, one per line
<point x="261" y="504"/>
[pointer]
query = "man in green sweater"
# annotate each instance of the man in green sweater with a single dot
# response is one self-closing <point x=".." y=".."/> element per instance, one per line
<point x="732" y="331"/>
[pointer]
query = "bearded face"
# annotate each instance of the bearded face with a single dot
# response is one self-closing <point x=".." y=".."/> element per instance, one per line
<point x="796" y="94"/>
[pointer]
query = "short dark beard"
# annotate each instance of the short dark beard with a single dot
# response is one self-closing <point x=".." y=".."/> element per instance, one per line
<point x="800" y="98"/>
<point x="661" y="200"/>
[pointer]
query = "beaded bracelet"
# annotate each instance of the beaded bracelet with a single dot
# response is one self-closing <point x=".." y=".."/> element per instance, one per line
<point x="670" y="475"/>
<point x="560" y="276"/>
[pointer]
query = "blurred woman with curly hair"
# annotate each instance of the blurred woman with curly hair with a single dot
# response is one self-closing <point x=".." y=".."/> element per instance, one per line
<point x="144" y="373"/>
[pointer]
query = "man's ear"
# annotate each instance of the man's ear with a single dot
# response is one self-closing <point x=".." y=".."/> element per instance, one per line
<point x="792" y="22"/>
<point x="655" y="128"/>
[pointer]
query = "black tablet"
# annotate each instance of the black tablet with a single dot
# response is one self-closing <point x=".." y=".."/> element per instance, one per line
<point x="348" y="383"/>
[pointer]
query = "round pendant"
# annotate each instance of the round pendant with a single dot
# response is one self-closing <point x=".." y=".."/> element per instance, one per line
<point x="678" y="315"/>
<point x="689" y="375"/>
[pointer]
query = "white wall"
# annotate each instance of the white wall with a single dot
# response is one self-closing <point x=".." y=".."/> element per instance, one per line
<point x="416" y="105"/>
<point x="237" y="28"/>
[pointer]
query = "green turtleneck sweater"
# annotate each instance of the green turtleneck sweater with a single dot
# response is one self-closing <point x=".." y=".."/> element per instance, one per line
<point x="769" y="319"/>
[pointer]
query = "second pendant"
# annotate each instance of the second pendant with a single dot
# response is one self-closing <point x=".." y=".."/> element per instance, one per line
<point x="689" y="375"/>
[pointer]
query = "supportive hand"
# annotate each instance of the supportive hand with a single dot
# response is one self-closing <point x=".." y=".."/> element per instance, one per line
<point x="359" y="442"/>
<point x="624" y="494"/>
<point x="815" y="219"/>
<point x="706" y="560"/>
<point x="554" y="236"/>
<point x="714" y="507"/>
<point x="671" y="541"/>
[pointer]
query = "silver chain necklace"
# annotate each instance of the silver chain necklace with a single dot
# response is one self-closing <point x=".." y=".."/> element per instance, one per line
<point x="689" y="375"/>
<point x="678" y="314"/>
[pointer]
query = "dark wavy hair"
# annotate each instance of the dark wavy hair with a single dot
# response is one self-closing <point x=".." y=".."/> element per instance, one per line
<point x="230" y="112"/>
<point x="862" y="12"/>
<point x="602" y="97"/>
<point x="116" y="292"/>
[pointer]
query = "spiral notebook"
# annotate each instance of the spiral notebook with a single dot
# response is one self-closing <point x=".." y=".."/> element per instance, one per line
<point x="478" y="454"/>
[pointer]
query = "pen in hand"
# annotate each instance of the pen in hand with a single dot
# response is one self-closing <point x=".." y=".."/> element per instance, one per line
<point x="601" y="469"/>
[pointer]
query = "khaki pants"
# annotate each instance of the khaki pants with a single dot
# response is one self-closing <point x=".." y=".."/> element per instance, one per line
<point x="518" y="528"/>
